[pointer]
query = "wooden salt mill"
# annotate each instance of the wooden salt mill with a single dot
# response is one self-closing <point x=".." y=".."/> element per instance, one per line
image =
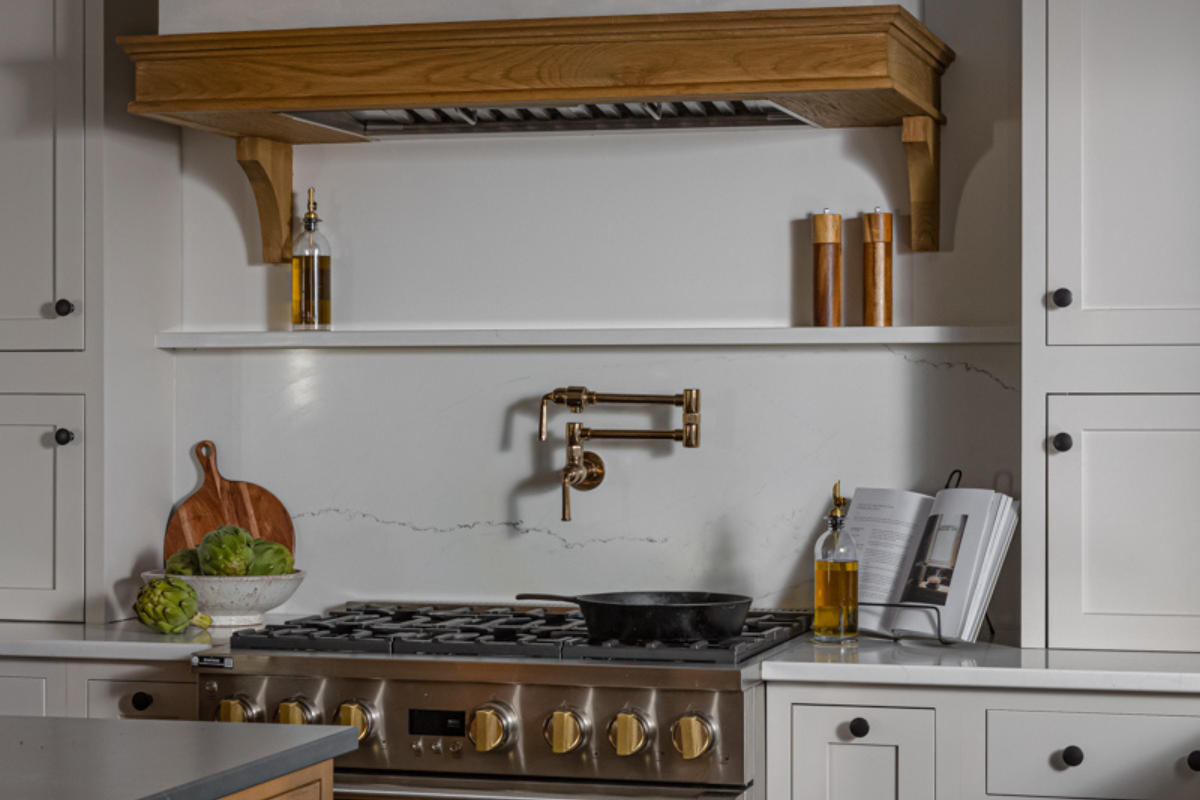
<point x="877" y="269"/>
<point x="827" y="270"/>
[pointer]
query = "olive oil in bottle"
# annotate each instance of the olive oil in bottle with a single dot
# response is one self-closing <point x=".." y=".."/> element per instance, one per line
<point x="311" y="267"/>
<point x="835" y="614"/>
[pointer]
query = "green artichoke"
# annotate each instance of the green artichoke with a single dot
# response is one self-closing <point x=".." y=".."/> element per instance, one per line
<point x="271" y="558"/>
<point x="168" y="605"/>
<point x="185" y="562"/>
<point x="229" y="550"/>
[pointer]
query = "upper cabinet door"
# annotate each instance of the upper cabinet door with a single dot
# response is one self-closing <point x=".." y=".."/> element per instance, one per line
<point x="41" y="175"/>
<point x="1123" y="171"/>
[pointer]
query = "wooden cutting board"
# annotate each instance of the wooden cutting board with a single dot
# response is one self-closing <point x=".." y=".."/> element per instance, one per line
<point x="222" y="502"/>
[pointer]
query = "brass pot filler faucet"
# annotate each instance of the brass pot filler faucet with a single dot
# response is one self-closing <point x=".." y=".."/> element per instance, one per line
<point x="585" y="470"/>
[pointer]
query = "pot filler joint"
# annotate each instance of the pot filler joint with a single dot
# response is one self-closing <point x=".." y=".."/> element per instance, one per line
<point x="585" y="470"/>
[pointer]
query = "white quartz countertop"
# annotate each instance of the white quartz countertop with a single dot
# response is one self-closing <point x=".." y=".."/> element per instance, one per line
<point x="123" y="640"/>
<point x="989" y="666"/>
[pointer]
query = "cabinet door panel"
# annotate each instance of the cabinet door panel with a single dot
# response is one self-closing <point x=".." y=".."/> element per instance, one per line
<point x="41" y="505"/>
<point x="1122" y="167"/>
<point x="33" y="688"/>
<point x="41" y="168"/>
<point x="895" y="759"/>
<point x="1121" y="520"/>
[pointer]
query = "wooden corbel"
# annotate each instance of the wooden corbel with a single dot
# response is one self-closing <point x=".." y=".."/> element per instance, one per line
<point x="922" y="146"/>
<point x="268" y="165"/>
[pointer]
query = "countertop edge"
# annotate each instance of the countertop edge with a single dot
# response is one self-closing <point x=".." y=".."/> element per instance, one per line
<point x="245" y="776"/>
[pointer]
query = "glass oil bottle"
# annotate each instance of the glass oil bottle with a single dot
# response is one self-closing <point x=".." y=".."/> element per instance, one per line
<point x="311" y="266"/>
<point x="835" y="615"/>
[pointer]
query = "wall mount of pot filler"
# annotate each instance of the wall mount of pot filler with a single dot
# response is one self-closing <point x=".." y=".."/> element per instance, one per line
<point x="584" y="470"/>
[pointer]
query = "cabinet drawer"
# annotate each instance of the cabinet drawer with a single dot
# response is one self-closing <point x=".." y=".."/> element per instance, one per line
<point x="141" y="699"/>
<point x="1125" y="756"/>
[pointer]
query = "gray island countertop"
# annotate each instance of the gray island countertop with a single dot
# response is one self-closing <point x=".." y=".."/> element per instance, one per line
<point x="50" y="758"/>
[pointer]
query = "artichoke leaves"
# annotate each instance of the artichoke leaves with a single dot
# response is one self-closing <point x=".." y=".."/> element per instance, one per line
<point x="168" y="605"/>
<point x="228" y="550"/>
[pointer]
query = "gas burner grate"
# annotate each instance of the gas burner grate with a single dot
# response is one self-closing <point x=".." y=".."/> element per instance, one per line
<point x="503" y="631"/>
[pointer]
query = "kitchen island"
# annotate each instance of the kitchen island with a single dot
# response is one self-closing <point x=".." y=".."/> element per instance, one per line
<point x="50" y="758"/>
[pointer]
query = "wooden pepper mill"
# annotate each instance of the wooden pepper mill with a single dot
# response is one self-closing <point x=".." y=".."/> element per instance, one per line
<point x="877" y="269"/>
<point x="827" y="270"/>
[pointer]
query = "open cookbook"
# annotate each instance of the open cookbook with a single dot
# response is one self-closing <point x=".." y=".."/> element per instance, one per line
<point x="917" y="551"/>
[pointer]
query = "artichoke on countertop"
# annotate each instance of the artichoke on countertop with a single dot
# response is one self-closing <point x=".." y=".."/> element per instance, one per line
<point x="271" y="558"/>
<point x="185" y="562"/>
<point x="228" y="550"/>
<point x="168" y="605"/>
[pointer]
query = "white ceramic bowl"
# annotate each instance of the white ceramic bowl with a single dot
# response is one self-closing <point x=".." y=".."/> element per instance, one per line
<point x="236" y="600"/>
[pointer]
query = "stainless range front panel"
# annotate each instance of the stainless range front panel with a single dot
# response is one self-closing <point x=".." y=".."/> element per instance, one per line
<point x="421" y="709"/>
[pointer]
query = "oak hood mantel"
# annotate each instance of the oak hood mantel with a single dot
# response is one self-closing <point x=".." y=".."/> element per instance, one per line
<point x="860" y="66"/>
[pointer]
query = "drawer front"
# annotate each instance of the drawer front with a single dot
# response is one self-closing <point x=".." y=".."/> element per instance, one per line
<point x="141" y="700"/>
<point x="1124" y="756"/>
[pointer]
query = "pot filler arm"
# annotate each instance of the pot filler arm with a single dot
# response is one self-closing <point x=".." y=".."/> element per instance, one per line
<point x="585" y="470"/>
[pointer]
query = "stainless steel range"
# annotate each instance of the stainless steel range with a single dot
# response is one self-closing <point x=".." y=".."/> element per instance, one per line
<point x="515" y="702"/>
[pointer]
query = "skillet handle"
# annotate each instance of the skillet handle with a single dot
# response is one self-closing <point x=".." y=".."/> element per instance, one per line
<point x="559" y="597"/>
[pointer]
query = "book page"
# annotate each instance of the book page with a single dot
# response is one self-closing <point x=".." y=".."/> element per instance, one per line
<point x="945" y="567"/>
<point x="885" y="524"/>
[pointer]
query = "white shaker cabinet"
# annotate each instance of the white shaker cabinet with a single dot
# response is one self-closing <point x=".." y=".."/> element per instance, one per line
<point x="41" y="172"/>
<point x="1111" y="333"/>
<point x="848" y="752"/>
<point x="838" y="751"/>
<point x="30" y="688"/>
<point x="41" y="507"/>
<point x="1122" y="172"/>
<point x="1123" y="557"/>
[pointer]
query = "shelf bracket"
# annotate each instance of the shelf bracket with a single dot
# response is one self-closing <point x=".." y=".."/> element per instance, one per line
<point x="922" y="146"/>
<point x="268" y="165"/>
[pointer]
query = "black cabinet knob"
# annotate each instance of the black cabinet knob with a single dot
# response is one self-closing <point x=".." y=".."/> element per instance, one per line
<point x="859" y="727"/>
<point x="1062" y="442"/>
<point x="142" y="700"/>
<point x="63" y="436"/>
<point x="1072" y="756"/>
<point x="1063" y="297"/>
<point x="1193" y="761"/>
<point x="64" y="307"/>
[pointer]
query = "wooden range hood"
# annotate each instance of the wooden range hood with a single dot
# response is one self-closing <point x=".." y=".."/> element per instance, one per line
<point x="859" y="66"/>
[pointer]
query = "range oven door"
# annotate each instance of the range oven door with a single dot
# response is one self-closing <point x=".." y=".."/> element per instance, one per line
<point x="380" y="786"/>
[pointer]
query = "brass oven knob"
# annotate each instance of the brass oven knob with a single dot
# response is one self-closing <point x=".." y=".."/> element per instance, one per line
<point x="629" y="733"/>
<point x="296" y="711"/>
<point x="565" y="730"/>
<point x="357" y="714"/>
<point x="492" y="726"/>
<point x="692" y="735"/>
<point x="238" y="709"/>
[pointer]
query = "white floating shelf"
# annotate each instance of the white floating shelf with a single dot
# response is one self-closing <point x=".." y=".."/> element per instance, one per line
<point x="599" y="337"/>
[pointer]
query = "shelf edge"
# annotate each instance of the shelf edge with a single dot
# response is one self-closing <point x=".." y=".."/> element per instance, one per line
<point x="600" y="337"/>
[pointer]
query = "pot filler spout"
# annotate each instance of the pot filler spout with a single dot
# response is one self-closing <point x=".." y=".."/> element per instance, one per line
<point x="585" y="470"/>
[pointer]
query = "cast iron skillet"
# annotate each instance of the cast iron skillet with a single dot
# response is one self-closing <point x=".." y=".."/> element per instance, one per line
<point x="633" y="617"/>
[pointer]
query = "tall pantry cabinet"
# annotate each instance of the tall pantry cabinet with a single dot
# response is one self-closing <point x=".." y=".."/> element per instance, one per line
<point x="42" y="308"/>
<point x="90" y="267"/>
<point x="1111" y="330"/>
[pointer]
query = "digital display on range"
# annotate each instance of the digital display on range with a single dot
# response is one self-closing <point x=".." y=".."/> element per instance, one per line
<point x="427" y="722"/>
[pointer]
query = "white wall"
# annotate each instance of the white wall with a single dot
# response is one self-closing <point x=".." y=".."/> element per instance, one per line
<point x="415" y="474"/>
